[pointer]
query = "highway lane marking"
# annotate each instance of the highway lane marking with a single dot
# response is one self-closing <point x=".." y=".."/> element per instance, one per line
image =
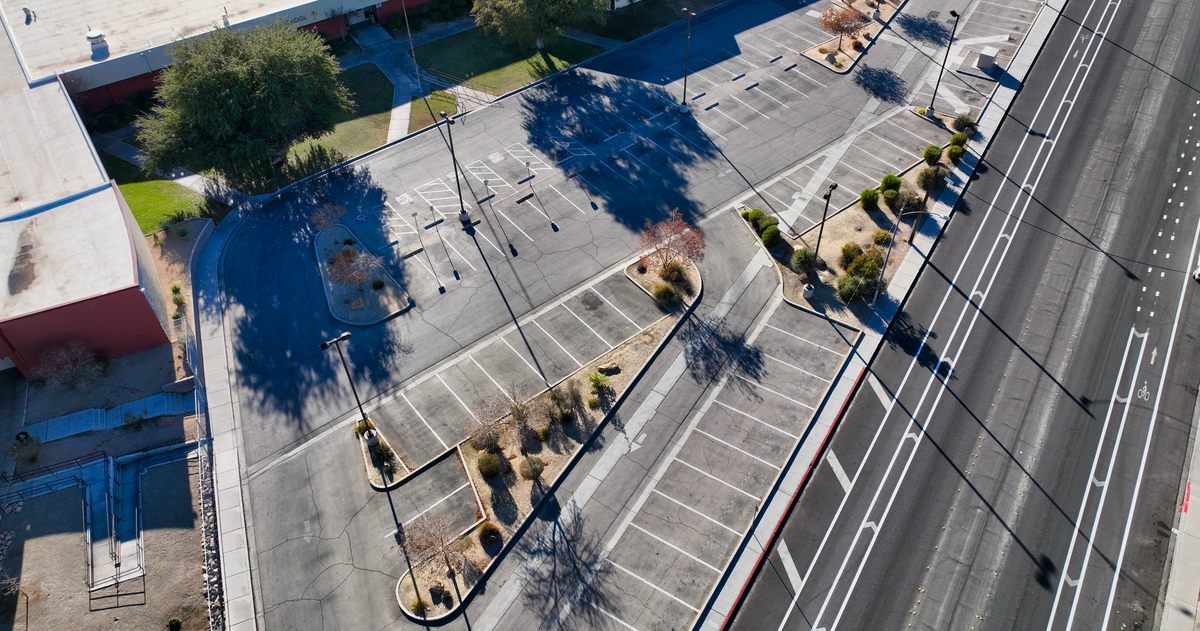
<point x="962" y="265"/>
<point x="1150" y="435"/>
<point x="418" y="413"/>
<point x="754" y="418"/>
<point x="702" y="515"/>
<point x="789" y="566"/>
<point x="1091" y="537"/>
<point x="598" y="336"/>
<point x="553" y="339"/>
<point x="652" y="585"/>
<point x="675" y="548"/>
<point x="838" y="471"/>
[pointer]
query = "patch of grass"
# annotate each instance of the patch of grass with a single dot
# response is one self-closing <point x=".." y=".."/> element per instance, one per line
<point x="418" y="116"/>
<point x="155" y="201"/>
<point x="367" y="126"/>
<point x="638" y="19"/>
<point x="498" y="63"/>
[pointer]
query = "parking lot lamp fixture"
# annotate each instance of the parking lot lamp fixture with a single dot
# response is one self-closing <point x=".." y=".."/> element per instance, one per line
<point x="457" y="183"/>
<point x="944" y="60"/>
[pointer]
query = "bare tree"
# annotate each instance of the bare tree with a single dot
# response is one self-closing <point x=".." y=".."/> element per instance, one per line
<point x="70" y="365"/>
<point x="842" y="21"/>
<point x="429" y="537"/>
<point x="351" y="266"/>
<point x="672" y="239"/>
<point x="326" y="216"/>
<point x="512" y="410"/>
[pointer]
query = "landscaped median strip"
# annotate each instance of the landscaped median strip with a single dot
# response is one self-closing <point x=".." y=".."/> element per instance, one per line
<point x="577" y="427"/>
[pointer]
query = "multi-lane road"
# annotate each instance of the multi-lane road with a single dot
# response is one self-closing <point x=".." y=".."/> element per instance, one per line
<point x="1014" y="458"/>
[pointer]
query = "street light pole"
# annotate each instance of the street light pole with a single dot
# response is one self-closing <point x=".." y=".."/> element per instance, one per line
<point x="824" y="214"/>
<point x="450" y="133"/>
<point x="944" y="60"/>
<point x="687" y="48"/>
<point x="337" y="341"/>
<point x="892" y="242"/>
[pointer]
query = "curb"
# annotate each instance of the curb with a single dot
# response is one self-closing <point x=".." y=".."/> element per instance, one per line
<point x="553" y="487"/>
<point x="329" y="298"/>
<point x="871" y="42"/>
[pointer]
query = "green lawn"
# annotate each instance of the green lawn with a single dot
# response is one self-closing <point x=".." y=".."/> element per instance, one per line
<point x="644" y="17"/>
<point x="419" y="118"/>
<point x="497" y="63"/>
<point x="153" y="200"/>
<point x="366" y="128"/>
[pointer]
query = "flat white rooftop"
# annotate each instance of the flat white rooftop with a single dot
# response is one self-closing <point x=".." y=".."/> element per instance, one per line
<point x="55" y="41"/>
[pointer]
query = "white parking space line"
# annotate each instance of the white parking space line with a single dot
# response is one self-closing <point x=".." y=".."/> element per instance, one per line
<point x="808" y="77"/>
<point x="713" y="64"/>
<point x="769" y="56"/>
<point x="617" y="173"/>
<point x="771" y="326"/>
<point x="838" y="471"/>
<point x="626" y="150"/>
<point x="489" y="376"/>
<point x="787" y="48"/>
<point x="737" y="449"/>
<point x="522" y="358"/>
<point x="682" y="505"/>
<point x="608" y="614"/>
<point x="794" y="367"/>
<point x="597" y="292"/>
<point x="660" y="147"/>
<point x="652" y="585"/>
<point x="755" y="418"/>
<point x="902" y="149"/>
<point x="418" y="413"/>
<point x="432" y="506"/>
<point x="566" y="198"/>
<point x="484" y="173"/>
<point x="786" y="85"/>
<point x="981" y="13"/>
<point x="439" y="195"/>
<point x="464" y="259"/>
<point x="589" y="327"/>
<point x="740" y="58"/>
<point x="709" y="475"/>
<point x="735" y="121"/>
<point x="501" y="213"/>
<point x="795" y="34"/>
<point x="675" y="548"/>
<point x="748" y="106"/>
<point x="846" y="164"/>
<point x="455" y="395"/>
<point x="789" y="567"/>
<point x="763" y="92"/>
<point x="907" y="131"/>
<point x="873" y="155"/>
<point x="552" y="339"/>
<point x="523" y="155"/>
<point x="689" y="141"/>
<point x="765" y="191"/>
<point x="775" y="392"/>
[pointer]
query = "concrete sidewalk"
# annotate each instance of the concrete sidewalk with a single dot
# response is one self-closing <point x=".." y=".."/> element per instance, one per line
<point x="1182" y="599"/>
<point x="198" y="183"/>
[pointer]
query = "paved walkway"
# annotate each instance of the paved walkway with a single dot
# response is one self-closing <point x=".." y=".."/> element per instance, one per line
<point x="114" y="144"/>
<point x="588" y="38"/>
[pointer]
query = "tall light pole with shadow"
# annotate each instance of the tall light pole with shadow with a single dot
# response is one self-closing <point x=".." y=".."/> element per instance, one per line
<point x="687" y="46"/>
<point x="944" y="60"/>
<point x="337" y="341"/>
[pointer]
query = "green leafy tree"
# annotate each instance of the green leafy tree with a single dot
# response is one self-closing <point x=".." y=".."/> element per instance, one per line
<point x="536" y="22"/>
<point x="236" y="99"/>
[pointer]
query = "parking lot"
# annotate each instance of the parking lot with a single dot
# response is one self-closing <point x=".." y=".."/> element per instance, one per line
<point x="434" y="413"/>
<point x="671" y="550"/>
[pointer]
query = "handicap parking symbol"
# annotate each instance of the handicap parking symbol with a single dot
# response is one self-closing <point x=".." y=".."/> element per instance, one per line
<point x="360" y="218"/>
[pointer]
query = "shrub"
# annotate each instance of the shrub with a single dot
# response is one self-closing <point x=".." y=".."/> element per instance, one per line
<point x="932" y="179"/>
<point x="837" y="64"/>
<point x="419" y="607"/>
<point x="27" y="450"/>
<point x="362" y="426"/>
<point x="932" y="154"/>
<point x="178" y="299"/>
<point x="489" y="465"/>
<point x="958" y="140"/>
<point x="594" y="403"/>
<point x="868" y="264"/>
<point x="890" y="182"/>
<point x="348" y="242"/>
<point x="921" y="111"/>
<point x="176" y="315"/>
<point x="542" y="435"/>
<point x="767" y="221"/>
<point x="383" y="450"/>
<point x="909" y="203"/>
<point x="531" y="468"/>
<point x="964" y="123"/>
<point x="176" y="289"/>
<point x="485" y="440"/>
<point x="174" y="624"/>
<point x="869" y="199"/>
<point x="850" y="251"/>
<point x="746" y="215"/>
<point x="955" y="153"/>
<point x="857" y="45"/>
<point x="770" y="236"/>
<point x="755" y="215"/>
<point x="804" y="261"/>
<point x="890" y="196"/>
<point x="599" y="382"/>
<point x="881" y="237"/>
<point x="823" y="51"/>
<point x="673" y="272"/>
<point x="489" y="534"/>
<point x="665" y="295"/>
<point x="851" y="288"/>
<point x="641" y="267"/>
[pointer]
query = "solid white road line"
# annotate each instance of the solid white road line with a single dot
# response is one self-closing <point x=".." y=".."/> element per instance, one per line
<point x="455" y="395"/>
<point x="838" y="471"/>
<point x="886" y="399"/>
<point x="789" y="566"/>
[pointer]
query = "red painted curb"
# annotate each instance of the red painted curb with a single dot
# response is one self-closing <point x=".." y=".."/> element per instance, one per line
<point x="737" y="604"/>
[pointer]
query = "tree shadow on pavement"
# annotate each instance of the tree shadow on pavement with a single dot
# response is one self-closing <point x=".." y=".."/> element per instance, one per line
<point x="713" y="350"/>
<point x="559" y="538"/>
<point x="923" y="29"/>
<point x="575" y="119"/>
<point x="884" y="84"/>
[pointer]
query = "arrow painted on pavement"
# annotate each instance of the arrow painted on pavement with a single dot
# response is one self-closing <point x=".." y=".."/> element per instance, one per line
<point x="308" y="533"/>
<point x="276" y="303"/>
<point x="1153" y="354"/>
<point x="637" y="444"/>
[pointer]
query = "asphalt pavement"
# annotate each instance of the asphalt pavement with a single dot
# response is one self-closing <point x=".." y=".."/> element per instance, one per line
<point x="1014" y="458"/>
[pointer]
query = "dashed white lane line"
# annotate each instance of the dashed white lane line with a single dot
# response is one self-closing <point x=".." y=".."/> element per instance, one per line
<point x="789" y="567"/>
<point x="552" y="339"/>
<point x="880" y="391"/>
<point x="689" y="508"/>
<point x="652" y="585"/>
<point x="755" y="418"/>
<point x="838" y="471"/>
<point x="418" y="413"/>
<point x="675" y="548"/>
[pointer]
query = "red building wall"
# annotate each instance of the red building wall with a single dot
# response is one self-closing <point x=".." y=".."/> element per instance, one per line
<point x="114" y="324"/>
<point x="119" y="92"/>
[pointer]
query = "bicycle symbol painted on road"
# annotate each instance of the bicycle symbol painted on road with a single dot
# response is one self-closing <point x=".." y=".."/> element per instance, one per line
<point x="1144" y="392"/>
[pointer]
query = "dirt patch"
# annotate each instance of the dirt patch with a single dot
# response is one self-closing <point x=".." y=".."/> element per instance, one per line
<point x="376" y="297"/>
<point x="171" y="249"/>
<point x="128" y="378"/>
<point x="128" y="439"/>
<point x="648" y="276"/>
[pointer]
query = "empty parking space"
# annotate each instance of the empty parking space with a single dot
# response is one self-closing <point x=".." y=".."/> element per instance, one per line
<point x="443" y="489"/>
<point x="690" y="520"/>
